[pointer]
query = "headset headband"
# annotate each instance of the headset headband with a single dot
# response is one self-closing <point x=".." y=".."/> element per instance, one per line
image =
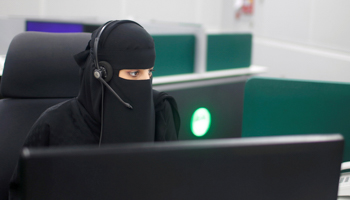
<point x="97" y="39"/>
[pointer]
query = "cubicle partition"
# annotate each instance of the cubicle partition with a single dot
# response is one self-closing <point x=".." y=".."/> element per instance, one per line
<point x="229" y="51"/>
<point x="289" y="107"/>
<point x="175" y="54"/>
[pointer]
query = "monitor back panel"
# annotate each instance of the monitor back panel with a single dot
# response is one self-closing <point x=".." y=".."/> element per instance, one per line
<point x="281" y="167"/>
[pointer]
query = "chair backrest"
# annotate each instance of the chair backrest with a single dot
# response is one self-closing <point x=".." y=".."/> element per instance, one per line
<point x="287" y="107"/>
<point x="39" y="72"/>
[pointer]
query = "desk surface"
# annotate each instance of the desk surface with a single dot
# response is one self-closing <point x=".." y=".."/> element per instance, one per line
<point x="253" y="69"/>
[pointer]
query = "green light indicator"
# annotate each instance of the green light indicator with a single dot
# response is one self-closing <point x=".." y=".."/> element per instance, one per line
<point x="200" y="122"/>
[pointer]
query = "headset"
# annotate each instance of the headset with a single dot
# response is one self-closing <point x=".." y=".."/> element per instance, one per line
<point x="104" y="71"/>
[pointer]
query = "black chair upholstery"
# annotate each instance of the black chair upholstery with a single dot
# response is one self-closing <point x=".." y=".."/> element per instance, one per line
<point x="39" y="72"/>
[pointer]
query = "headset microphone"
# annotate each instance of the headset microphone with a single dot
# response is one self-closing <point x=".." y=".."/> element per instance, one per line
<point x="98" y="74"/>
<point x="104" y="71"/>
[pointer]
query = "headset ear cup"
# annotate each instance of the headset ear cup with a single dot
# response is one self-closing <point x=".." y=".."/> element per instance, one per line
<point x="108" y="68"/>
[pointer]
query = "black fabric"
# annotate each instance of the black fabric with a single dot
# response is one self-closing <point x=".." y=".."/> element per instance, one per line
<point x="90" y="90"/>
<point x="69" y="124"/>
<point x="62" y="125"/>
<point x="121" y="124"/>
<point x="124" y="45"/>
<point x="167" y="117"/>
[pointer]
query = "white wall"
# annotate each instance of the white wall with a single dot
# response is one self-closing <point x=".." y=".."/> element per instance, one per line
<point x="306" y="39"/>
<point x="20" y="7"/>
<point x="205" y="12"/>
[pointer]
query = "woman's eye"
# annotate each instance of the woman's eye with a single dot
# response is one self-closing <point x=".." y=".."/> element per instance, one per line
<point x="151" y="72"/>
<point x="134" y="73"/>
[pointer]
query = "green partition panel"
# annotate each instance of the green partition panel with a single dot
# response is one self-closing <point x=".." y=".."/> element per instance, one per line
<point x="175" y="54"/>
<point x="288" y="107"/>
<point x="229" y="51"/>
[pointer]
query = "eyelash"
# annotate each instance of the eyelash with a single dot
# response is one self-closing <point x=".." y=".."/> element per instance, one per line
<point x="134" y="73"/>
<point x="151" y="71"/>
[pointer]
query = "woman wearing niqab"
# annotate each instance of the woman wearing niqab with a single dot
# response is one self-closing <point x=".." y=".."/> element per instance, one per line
<point x="97" y="116"/>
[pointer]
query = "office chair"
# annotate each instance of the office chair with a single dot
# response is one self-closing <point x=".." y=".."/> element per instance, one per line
<point x="39" y="72"/>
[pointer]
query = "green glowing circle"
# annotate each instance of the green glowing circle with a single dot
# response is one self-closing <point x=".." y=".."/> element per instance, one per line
<point x="200" y="122"/>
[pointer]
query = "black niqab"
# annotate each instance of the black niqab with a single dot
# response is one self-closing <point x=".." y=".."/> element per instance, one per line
<point x="124" y="45"/>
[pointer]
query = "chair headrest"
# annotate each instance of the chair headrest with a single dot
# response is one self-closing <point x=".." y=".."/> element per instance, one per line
<point x="41" y="65"/>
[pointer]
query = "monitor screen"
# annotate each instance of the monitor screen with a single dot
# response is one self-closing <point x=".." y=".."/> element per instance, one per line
<point x="53" y="27"/>
<point x="276" y="167"/>
<point x="60" y="27"/>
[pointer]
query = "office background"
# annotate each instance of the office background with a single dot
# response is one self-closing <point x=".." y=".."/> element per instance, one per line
<point x="300" y="39"/>
<point x="303" y="39"/>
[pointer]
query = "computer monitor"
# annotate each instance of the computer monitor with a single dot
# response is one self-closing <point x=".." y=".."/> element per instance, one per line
<point x="59" y="27"/>
<point x="209" y="109"/>
<point x="280" y="167"/>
